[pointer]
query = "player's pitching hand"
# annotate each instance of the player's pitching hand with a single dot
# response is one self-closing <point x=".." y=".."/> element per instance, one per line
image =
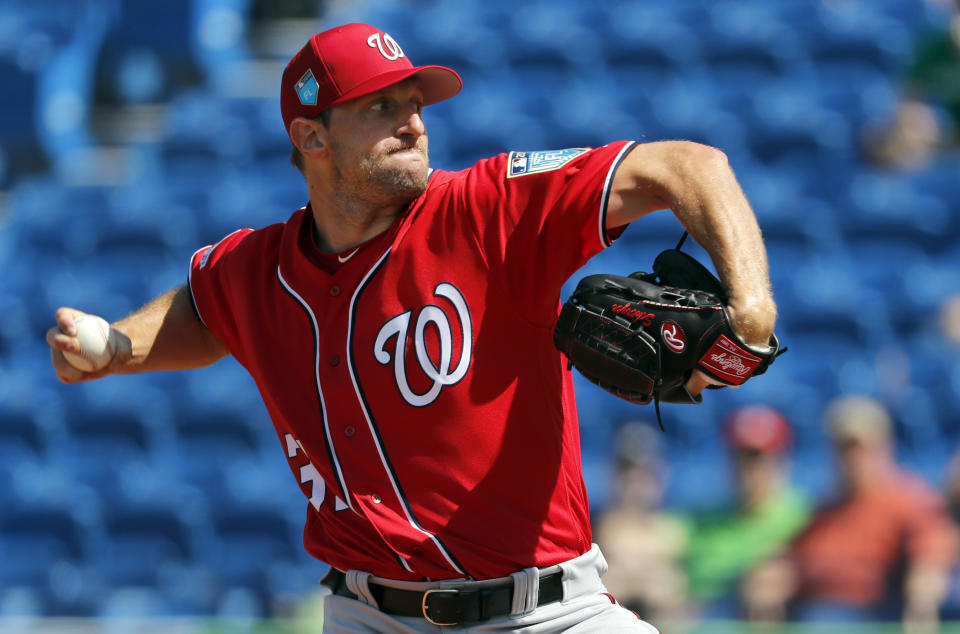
<point x="67" y="352"/>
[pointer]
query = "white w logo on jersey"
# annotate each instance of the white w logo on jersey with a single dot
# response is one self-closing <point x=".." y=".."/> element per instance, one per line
<point x="439" y="373"/>
<point x="388" y="46"/>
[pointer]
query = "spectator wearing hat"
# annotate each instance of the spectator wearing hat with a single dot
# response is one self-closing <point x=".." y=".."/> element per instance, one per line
<point x="725" y="544"/>
<point x="883" y="547"/>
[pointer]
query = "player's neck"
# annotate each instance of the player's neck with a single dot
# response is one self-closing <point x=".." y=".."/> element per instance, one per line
<point x="338" y="228"/>
<point x="347" y="213"/>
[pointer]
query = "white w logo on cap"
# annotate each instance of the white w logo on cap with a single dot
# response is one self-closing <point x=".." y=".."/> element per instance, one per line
<point x="393" y="50"/>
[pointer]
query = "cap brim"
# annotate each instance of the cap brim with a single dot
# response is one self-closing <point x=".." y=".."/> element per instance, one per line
<point x="439" y="83"/>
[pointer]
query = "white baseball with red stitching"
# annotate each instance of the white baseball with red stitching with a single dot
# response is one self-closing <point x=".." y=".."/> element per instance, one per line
<point x="96" y="344"/>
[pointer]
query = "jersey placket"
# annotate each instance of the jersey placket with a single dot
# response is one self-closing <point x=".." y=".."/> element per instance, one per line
<point x="388" y="508"/>
<point x="360" y="459"/>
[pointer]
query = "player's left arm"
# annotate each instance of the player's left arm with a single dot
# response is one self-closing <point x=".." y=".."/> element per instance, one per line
<point x="696" y="182"/>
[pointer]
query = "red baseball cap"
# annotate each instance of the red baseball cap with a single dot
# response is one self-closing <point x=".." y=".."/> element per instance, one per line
<point x="350" y="61"/>
<point x="758" y="428"/>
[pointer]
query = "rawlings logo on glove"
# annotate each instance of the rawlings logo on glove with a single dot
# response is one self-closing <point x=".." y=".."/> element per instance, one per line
<point x="640" y="337"/>
<point x="730" y="361"/>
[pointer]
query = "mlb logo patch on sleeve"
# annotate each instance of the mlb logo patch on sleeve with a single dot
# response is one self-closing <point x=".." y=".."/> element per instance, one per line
<point x="520" y="163"/>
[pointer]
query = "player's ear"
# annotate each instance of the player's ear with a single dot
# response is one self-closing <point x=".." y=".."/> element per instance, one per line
<point x="309" y="136"/>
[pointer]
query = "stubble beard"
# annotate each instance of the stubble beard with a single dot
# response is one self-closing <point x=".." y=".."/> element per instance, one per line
<point x="373" y="182"/>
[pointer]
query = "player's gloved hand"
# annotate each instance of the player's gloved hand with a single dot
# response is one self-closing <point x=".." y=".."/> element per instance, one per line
<point x="63" y="338"/>
<point x="741" y="320"/>
<point x="661" y="336"/>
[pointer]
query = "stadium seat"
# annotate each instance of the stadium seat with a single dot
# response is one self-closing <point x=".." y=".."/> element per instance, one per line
<point x="219" y="36"/>
<point x="33" y="541"/>
<point x="859" y="37"/>
<point x="22" y="435"/>
<point x="697" y="478"/>
<point x="147" y="54"/>
<point x="17" y="122"/>
<point x="236" y="551"/>
<point x="873" y="97"/>
<point x="222" y="456"/>
<point x="139" y="545"/>
<point x="128" y="607"/>
<point x="885" y="204"/>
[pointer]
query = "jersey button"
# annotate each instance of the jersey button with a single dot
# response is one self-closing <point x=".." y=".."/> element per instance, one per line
<point x="335" y="360"/>
<point x="375" y="498"/>
<point x="335" y="290"/>
<point x="349" y="431"/>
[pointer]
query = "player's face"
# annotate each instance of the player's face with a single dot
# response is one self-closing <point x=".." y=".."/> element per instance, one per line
<point x="378" y="145"/>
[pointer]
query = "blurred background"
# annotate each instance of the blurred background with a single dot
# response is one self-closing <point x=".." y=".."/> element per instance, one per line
<point x="134" y="132"/>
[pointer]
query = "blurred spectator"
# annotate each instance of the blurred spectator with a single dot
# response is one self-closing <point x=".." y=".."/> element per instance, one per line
<point x="951" y="607"/>
<point x="928" y="116"/>
<point x="880" y="551"/>
<point x="727" y="543"/>
<point x="643" y="545"/>
<point x="950" y="319"/>
<point x="907" y="140"/>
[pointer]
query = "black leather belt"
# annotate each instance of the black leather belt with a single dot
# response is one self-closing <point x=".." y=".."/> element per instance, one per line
<point x="448" y="606"/>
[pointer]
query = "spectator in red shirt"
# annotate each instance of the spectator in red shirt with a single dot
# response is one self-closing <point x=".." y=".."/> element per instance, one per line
<point x="882" y="549"/>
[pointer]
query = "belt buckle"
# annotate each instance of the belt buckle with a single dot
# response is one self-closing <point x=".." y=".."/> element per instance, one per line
<point x="425" y="608"/>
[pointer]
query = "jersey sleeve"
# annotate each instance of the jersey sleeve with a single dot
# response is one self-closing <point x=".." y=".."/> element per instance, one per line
<point x="214" y="274"/>
<point x="540" y="216"/>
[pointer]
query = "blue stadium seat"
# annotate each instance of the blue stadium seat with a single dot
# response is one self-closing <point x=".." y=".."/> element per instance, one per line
<point x="84" y="208"/>
<point x="872" y="97"/>
<point x="133" y="605"/>
<point x="692" y="427"/>
<point x="147" y="53"/>
<point x="23" y="436"/>
<point x="686" y="108"/>
<point x="827" y="362"/>
<point x="139" y="546"/>
<point x="939" y="180"/>
<point x="640" y="49"/>
<point x="221" y="456"/>
<point x="458" y="37"/>
<point x="697" y="478"/>
<point x="226" y="391"/>
<point x="886" y="204"/>
<point x="904" y="275"/>
<point x="34" y="540"/>
<point x="857" y="36"/>
<point x="19" y="145"/>
<point x="236" y="552"/>
<point x="105" y="441"/>
<point x="219" y="34"/>
<point x="598" y="477"/>
<point x="916" y="16"/>
<point x="17" y="328"/>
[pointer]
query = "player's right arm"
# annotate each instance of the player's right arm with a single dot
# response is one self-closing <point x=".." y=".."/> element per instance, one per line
<point x="166" y="334"/>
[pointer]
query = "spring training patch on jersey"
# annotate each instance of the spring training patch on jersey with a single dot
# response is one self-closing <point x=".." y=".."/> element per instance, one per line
<point x="521" y="163"/>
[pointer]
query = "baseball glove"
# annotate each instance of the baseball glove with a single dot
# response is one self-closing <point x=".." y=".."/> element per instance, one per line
<point x="640" y="337"/>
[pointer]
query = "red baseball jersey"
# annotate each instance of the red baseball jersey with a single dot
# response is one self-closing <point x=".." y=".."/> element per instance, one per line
<point x="414" y="385"/>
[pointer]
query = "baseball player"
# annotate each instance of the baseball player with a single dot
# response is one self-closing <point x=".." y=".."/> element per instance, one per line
<point x="399" y="330"/>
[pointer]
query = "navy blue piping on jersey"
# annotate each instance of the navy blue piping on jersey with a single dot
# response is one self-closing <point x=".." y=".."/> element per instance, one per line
<point x="328" y="441"/>
<point x="444" y="550"/>
<point x="607" y="187"/>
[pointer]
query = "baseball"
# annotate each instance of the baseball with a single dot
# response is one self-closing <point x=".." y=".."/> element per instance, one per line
<point x="96" y="344"/>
